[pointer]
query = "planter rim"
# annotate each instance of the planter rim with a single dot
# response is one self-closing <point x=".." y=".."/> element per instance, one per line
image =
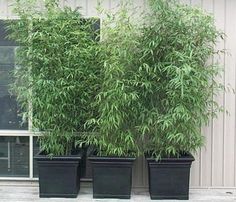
<point x="40" y="156"/>
<point x="186" y="158"/>
<point x="110" y="158"/>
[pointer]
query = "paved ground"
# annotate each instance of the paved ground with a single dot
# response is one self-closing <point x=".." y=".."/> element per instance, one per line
<point x="28" y="192"/>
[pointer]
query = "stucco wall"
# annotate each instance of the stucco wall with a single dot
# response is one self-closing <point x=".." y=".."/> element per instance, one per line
<point x="215" y="164"/>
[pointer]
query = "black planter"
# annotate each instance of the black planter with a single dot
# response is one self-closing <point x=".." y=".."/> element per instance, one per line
<point x="112" y="177"/>
<point x="169" y="177"/>
<point x="59" y="176"/>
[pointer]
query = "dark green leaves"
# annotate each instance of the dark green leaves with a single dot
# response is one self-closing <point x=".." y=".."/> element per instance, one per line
<point x="141" y="88"/>
<point x="177" y="41"/>
<point x="57" y="72"/>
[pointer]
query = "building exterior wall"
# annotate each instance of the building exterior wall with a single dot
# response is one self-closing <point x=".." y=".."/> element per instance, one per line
<point x="215" y="164"/>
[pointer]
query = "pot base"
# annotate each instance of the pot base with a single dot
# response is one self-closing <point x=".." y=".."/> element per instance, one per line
<point x="59" y="176"/>
<point x="112" y="177"/>
<point x="169" y="178"/>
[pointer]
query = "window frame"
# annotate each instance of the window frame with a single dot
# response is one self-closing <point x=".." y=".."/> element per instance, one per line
<point x="20" y="133"/>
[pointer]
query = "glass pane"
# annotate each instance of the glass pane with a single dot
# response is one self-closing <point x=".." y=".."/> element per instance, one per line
<point x="14" y="156"/>
<point x="5" y="78"/>
<point x="4" y="41"/>
<point x="10" y="118"/>
<point x="7" y="55"/>
<point x="35" y="151"/>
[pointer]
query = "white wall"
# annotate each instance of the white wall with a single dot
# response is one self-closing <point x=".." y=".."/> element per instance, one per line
<point x="215" y="164"/>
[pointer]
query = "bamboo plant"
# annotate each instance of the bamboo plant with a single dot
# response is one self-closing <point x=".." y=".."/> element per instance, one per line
<point x="176" y="45"/>
<point x="114" y="127"/>
<point x="56" y="76"/>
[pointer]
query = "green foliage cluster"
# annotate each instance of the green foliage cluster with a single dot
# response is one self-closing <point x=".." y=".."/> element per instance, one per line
<point x="117" y="111"/>
<point x="157" y="89"/>
<point x="144" y="87"/>
<point x="177" y="40"/>
<point x="56" y="72"/>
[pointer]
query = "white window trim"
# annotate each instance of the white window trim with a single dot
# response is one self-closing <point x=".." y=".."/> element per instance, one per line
<point x="16" y="133"/>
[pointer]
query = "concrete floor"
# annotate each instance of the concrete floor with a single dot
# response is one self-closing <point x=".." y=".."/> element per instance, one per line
<point x="28" y="192"/>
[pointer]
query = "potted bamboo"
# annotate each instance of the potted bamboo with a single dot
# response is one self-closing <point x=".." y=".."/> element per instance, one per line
<point x="115" y="139"/>
<point x="56" y="73"/>
<point x="177" y="40"/>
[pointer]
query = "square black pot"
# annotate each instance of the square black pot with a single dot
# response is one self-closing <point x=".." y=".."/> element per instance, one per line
<point x="59" y="176"/>
<point x="169" y="177"/>
<point x="112" y="177"/>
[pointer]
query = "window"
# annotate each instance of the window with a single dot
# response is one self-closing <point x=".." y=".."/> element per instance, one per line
<point x="17" y="144"/>
<point x="9" y="112"/>
<point x="14" y="156"/>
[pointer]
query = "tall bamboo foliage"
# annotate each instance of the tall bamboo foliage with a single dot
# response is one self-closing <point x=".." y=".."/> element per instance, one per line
<point x="115" y="126"/>
<point x="56" y="71"/>
<point x="177" y="41"/>
<point x="144" y="87"/>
